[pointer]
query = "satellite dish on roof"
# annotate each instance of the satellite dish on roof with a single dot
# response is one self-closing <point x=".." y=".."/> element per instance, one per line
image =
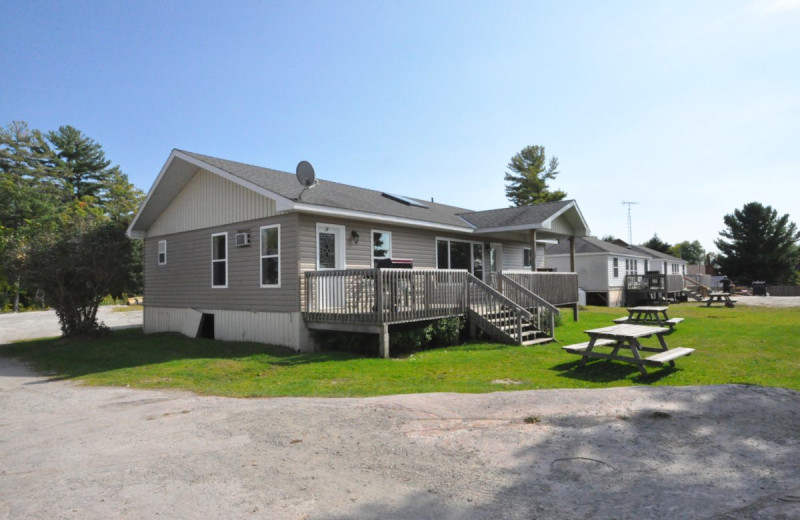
<point x="305" y="174"/>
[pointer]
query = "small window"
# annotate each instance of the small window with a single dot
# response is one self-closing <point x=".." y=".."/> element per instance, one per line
<point x="219" y="260"/>
<point x="381" y="246"/>
<point x="162" y="252"/>
<point x="526" y="257"/>
<point x="271" y="256"/>
<point x="616" y="267"/>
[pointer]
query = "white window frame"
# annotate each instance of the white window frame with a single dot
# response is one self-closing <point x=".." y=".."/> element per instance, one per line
<point x="528" y="249"/>
<point x="448" y="240"/>
<point x="615" y="267"/>
<point x="372" y="245"/>
<point x="262" y="256"/>
<point x="213" y="235"/>
<point x="160" y="243"/>
<point x="341" y="251"/>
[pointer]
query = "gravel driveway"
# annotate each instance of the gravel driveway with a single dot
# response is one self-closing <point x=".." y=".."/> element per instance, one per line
<point x="68" y="451"/>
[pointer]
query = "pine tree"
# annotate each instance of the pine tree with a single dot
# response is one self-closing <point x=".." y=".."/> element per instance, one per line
<point x="528" y="176"/>
<point x="757" y="245"/>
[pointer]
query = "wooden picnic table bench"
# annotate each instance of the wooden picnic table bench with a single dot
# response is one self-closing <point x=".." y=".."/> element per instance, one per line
<point x="649" y="315"/>
<point x="626" y="336"/>
<point x="720" y="297"/>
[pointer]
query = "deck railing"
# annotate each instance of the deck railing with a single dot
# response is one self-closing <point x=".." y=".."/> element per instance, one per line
<point x="376" y="296"/>
<point x="495" y="310"/>
<point x="554" y="288"/>
<point x="654" y="282"/>
<point x="702" y="290"/>
<point x="543" y="312"/>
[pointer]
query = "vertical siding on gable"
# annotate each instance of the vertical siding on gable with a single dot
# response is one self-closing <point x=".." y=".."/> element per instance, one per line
<point x="209" y="200"/>
<point x="185" y="281"/>
<point x="561" y="226"/>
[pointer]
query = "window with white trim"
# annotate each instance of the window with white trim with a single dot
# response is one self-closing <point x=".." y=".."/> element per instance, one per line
<point x="219" y="260"/>
<point x="270" y="242"/>
<point x="615" y="263"/>
<point x="631" y="266"/>
<point x="162" y="252"/>
<point x="381" y="246"/>
<point x="457" y="254"/>
<point x="526" y="257"/>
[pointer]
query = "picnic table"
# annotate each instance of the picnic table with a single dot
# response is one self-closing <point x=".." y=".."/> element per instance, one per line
<point x="720" y="297"/>
<point x="650" y="315"/>
<point x="626" y="337"/>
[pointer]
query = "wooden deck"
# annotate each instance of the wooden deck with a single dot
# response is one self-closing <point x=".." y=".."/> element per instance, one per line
<point x="368" y="300"/>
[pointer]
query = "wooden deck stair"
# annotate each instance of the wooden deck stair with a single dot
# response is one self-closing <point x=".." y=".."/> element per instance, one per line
<point x="503" y="319"/>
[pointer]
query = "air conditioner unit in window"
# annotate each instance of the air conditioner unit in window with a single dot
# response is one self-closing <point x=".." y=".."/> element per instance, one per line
<point x="242" y="239"/>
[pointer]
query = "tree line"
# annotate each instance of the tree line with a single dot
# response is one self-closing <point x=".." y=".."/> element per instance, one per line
<point x="757" y="244"/>
<point x="64" y="209"/>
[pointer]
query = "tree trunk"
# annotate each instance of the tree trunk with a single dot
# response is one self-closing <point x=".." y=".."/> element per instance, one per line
<point x="16" y="294"/>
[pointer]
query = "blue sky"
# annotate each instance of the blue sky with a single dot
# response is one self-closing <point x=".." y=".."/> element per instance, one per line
<point x="691" y="108"/>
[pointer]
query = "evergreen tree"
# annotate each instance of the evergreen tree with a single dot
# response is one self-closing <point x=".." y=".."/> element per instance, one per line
<point x="757" y="245"/>
<point x="657" y="244"/>
<point x="81" y="167"/>
<point x="526" y="180"/>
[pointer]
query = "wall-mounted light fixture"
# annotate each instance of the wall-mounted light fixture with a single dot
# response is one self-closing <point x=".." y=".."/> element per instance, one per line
<point x="355" y="236"/>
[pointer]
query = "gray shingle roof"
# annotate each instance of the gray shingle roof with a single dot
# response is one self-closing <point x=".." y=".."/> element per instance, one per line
<point x="517" y="216"/>
<point x="336" y="195"/>
<point x="657" y="254"/>
<point x="342" y="196"/>
<point x="591" y="245"/>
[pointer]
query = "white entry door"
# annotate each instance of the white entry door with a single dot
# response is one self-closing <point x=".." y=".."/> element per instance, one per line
<point x="330" y="257"/>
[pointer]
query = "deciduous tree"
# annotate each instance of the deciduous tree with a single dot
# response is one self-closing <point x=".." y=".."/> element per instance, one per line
<point x="78" y="265"/>
<point x="693" y="252"/>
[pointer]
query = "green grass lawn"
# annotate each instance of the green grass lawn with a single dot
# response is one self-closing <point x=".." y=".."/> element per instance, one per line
<point x="750" y="345"/>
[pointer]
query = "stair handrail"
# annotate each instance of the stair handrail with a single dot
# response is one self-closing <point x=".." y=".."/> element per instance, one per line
<point x="705" y="288"/>
<point x="528" y="293"/>
<point x="486" y="289"/>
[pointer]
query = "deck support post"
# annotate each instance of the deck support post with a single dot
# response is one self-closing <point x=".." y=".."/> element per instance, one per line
<point x="533" y="249"/>
<point x="383" y="341"/>
<point x="575" y="311"/>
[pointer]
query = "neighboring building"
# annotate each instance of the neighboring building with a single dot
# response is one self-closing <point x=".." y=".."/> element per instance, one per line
<point x="240" y="252"/>
<point x="601" y="267"/>
<point x="615" y="274"/>
<point x="663" y="263"/>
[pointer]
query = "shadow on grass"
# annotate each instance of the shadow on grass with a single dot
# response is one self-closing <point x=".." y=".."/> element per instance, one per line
<point x="73" y="358"/>
<point x="605" y="371"/>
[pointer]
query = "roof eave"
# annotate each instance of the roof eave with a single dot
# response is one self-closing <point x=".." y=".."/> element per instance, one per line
<point x="376" y="217"/>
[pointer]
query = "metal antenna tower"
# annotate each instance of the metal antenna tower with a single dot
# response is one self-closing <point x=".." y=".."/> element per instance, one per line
<point x="630" y="229"/>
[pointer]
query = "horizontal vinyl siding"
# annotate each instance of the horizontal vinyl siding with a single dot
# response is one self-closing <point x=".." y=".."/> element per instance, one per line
<point x="185" y="281"/>
<point x="593" y="270"/>
<point x="407" y="242"/>
<point x="209" y="200"/>
<point x="513" y="256"/>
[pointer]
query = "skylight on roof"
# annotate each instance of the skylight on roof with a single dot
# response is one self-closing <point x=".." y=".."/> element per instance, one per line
<point x="404" y="200"/>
